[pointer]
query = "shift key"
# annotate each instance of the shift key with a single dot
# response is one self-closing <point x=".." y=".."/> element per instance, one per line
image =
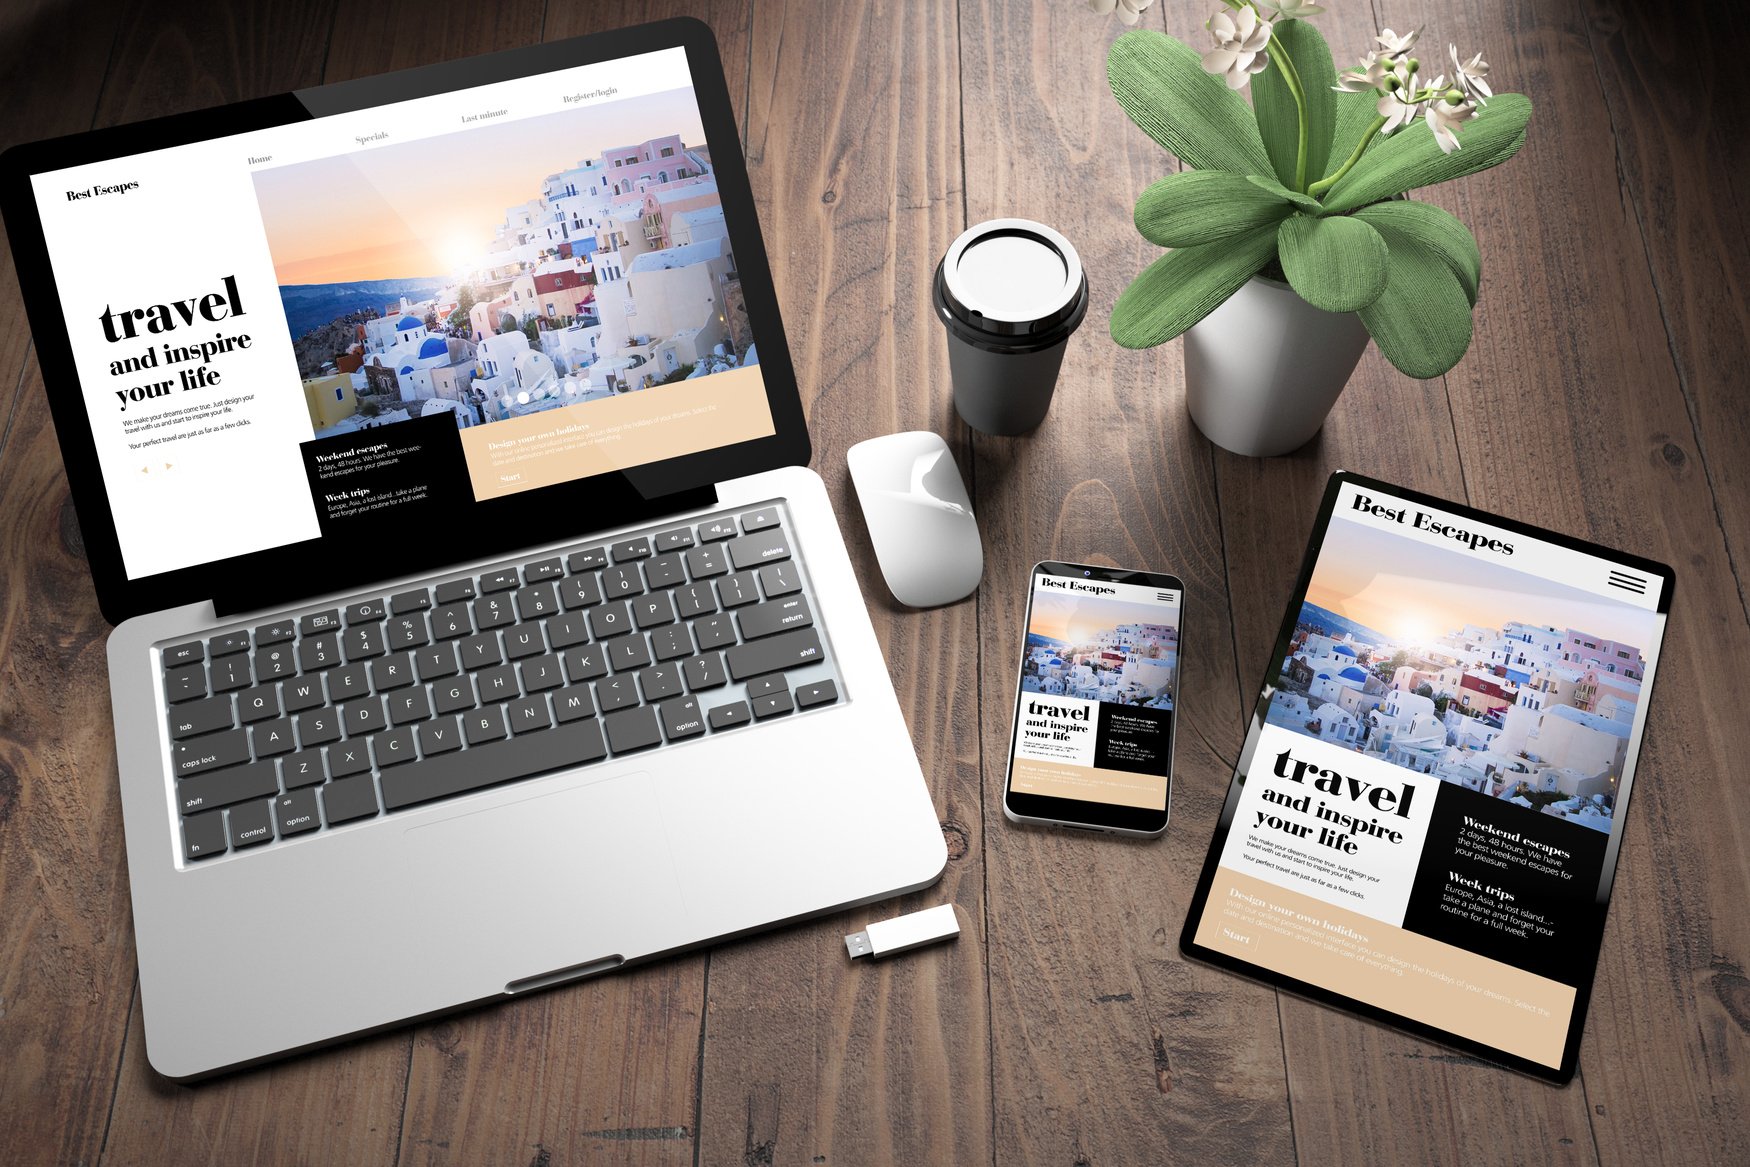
<point x="787" y="650"/>
<point x="210" y="752"/>
<point x="205" y="791"/>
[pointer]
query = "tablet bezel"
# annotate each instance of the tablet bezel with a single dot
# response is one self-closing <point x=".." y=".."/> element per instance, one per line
<point x="500" y="525"/>
<point x="1607" y="875"/>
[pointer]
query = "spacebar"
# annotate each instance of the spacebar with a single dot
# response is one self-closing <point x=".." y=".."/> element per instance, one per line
<point x="492" y="763"/>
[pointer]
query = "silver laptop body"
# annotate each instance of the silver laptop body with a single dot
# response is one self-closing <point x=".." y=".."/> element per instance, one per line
<point x="279" y="903"/>
<point x="529" y="884"/>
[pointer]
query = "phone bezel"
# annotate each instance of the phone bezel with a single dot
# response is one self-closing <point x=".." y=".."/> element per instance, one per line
<point x="1083" y="813"/>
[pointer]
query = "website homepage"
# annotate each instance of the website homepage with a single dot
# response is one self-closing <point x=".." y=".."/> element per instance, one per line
<point x="1099" y="675"/>
<point x="1424" y="820"/>
<point x="385" y="316"/>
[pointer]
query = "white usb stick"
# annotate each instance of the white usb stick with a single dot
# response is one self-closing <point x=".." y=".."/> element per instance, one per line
<point x="903" y="933"/>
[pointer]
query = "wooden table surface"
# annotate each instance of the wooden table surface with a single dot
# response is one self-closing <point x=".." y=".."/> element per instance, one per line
<point x="1605" y="395"/>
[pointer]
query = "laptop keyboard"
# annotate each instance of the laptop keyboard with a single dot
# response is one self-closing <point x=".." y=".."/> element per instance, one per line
<point x="338" y="715"/>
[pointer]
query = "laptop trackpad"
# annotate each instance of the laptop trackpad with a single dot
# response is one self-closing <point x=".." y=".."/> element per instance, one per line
<point x="553" y="880"/>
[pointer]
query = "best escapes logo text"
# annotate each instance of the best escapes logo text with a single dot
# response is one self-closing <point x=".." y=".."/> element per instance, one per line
<point x="1475" y="540"/>
<point x="1053" y="583"/>
<point x="98" y="188"/>
<point x="192" y="362"/>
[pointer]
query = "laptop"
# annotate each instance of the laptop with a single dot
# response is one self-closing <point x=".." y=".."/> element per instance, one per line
<point x="478" y="625"/>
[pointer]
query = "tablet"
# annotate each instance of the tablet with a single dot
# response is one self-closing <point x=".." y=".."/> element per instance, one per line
<point x="1424" y="823"/>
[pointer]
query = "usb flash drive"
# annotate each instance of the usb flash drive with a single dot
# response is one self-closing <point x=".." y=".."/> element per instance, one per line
<point x="903" y="933"/>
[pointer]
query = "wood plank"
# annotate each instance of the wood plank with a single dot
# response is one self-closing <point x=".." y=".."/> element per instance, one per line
<point x="1423" y="1101"/>
<point x="51" y="73"/>
<point x="66" y="976"/>
<point x="66" y="946"/>
<point x="337" y="1106"/>
<point x="1571" y="406"/>
<point x="51" y="67"/>
<point x="402" y="34"/>
<point x="71" y="985"/>
<point x="853" y="145"/>
<point x="603" y="1072"/>
<point x="172" y="59"/>
<point x="1106" y="1046"/>
<point x="1675" y="103"/>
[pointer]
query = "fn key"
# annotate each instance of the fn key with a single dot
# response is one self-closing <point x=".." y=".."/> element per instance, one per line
<point x="203" y="835"/>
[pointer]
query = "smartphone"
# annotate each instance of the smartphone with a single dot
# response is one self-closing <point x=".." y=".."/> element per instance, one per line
<point x="1096" y="700"/>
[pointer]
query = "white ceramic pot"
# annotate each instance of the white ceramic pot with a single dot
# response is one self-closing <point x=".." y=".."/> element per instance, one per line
<point x="1263" y="370"/>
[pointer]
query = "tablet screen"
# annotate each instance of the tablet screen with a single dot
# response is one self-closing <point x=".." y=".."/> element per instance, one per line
<point x="1425" y="818"/>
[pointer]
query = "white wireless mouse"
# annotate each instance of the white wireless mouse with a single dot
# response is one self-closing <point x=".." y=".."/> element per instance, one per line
<point x="919" y="517"/>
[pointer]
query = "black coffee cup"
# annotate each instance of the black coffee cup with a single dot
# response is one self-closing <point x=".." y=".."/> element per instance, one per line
<point x="1010" y="292"/>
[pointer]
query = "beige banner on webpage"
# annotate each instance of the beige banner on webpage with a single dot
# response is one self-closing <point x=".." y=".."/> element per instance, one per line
<point x="1089" y="783"/>
<point x="594" y="437"/>
<point x="1415" y="976"/>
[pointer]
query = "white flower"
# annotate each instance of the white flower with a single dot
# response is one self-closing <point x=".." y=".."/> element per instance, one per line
<point x="1291" y="9"/>
<point x="1393" y="45"/>
<point x="1240" y="38"/>
<point x="1444" y="116"/>
<point x="1127" y="10"/>
<point x="1398" y="104"/>
<point x="1472" y="76"/>
<point x="1365" y="77"/>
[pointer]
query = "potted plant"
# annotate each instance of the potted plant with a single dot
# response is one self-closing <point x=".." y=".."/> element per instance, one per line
<point x="1292" y="237"/>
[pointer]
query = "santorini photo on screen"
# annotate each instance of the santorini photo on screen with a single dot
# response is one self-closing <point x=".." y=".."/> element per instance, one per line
<point x="1489" y="678"/>
<point x="508" y="269"/>
<point x="1113" y="651"/>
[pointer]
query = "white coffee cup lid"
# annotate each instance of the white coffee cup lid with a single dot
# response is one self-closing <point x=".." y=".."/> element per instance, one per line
<point x="1012" y="276"/>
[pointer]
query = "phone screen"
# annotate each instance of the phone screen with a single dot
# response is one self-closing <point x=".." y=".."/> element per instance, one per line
<point x="1094" y="715"/>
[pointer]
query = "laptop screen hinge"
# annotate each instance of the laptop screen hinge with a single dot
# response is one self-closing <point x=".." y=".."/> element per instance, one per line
<point x="286" y="576"/>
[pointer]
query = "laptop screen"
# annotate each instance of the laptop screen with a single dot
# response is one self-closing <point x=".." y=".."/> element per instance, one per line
<point x="381" y="319"/>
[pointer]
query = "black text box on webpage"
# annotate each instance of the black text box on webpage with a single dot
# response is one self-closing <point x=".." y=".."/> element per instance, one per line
<point x="380" y="479"/>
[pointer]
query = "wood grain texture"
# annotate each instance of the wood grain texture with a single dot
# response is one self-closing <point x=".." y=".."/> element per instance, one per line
<point x="1673" y="103"/>
<point x="853" y="150"/>
<point x="1424" y="1103"/>
<point x="71" y="981"/>
<point x="1605" y="394"/>
<point x="66" y="943"/>
<point x="1573" y="407"/>
<point x="66" y="972"/>
<point x="604" y="1072"/>
<point x="172" y="58"/>
<point x="53" y="60"/>
<point x="1104" y="1041"/>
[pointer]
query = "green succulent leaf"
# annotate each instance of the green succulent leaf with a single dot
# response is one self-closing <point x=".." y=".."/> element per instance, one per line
<point x="1435" y="229"/>
<point x="1278" y="115"/>
<point x="1411" y="157"/>
<point x="1355" y="112"/>
<point x="1422" y="322"/>
<point x="1187" y="284"/>
<point x="1201" y="206"/>
<point x="1304" y="202"/>
<point x="1337" y="264"/>
<point x="1161" y="86"/>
